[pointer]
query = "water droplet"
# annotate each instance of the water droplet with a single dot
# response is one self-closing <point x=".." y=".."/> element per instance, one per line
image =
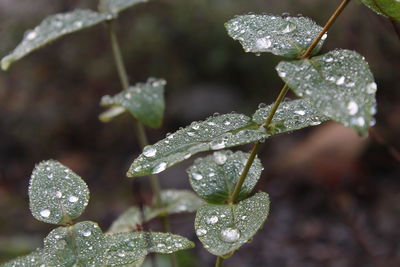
<point x="128" y="95"/>
<point x="263" y="44"/>
<point x="230" y="235"/>
<point x="196" y="126"/>
<point x="220" y="158"/>
<point x="243" y="217"/>
<point x="45" y="213"/>
<point x="161" y="245"/>
<point x="73" y="199"/>
<point x="219" y="144"/>
<point x="324" y="36"/>
<point x="359" y="121"/>
<point x="300" y="112"/>
<point x="78" y="24"/>
<point x="201" y="232"/>
<point x="371" y="88"/>
<point x="262" y="105"/>
<point x="87" y="233"/>
<point x="58" y="194"/>
<point x="160" y="167"/>
<point x="197" y="176"/>
<point x="340" y="81"/>
<point x="212" y="220"/>
<point x="352" y="107"/>
<point x="329" y="59"/>
<point x="149" y="151"/>
<point x="289" y="27"/>
<point x="190" y="133"/>
<point x="31" y="35"/>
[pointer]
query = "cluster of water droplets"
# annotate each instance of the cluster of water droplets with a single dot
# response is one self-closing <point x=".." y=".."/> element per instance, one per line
<point x="285" y="36"/>
<point x="56" y="193"/>
<point x="339" y="84"/>
<point x="145" y="101"/>
<point x="214" y="177"/>
<point x="215" y="133"/>
<point x="52" y="28"/>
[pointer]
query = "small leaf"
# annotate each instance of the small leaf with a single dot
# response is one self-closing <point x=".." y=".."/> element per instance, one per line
<point x="215" y="133"/>
<point x="52" y="28"/>
<point x="339" y="85"/>
<point x="56" y="194"/>
<point x="82" y="244"/>
<point x="116" y="6"/>
<point x="214" y="177"/>
<point x="287" y="37"/>
<point x="387" y="8"/>
<point x="124" y="248"/>
<point x="174" y="201"/>
<point x="145" y="101"/>
<point x="111" y="113"/>
<point x="127" y="221"/>
<point x="224" y="228"/>
<point x="34" y="259"/>
<point x="290" y="116"/>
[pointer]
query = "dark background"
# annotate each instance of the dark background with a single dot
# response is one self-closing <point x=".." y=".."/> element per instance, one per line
<point x="335" y="196"/>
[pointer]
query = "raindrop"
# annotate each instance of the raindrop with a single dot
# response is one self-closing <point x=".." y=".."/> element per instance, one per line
<point x="371" y="88"/>
<point x="262" y="105"/>
<point x="121" y="254"/>
<point x="58" y="194"/>
<point x="352" y="107"/>
<point x="230" y="235"/>
<point x="149" y="151"/>
<point x="220" y="158"/>
<point x="212" y="220"/>
<point x="31" y="35"/>
<point x="45" y="213"/>
<point x="160" y="167"/>
<point x="73" y="199"/>
<point x="197" y="176"/>
<point x="128" y="96"/>
<point x="263" y="44"/>
<point x="340" y="81"/>
<point x="87" y="233"/>
<point x="78" y="24"/>
<point x="161" y="245"/>
<point x="289" y="28"/>
<point x="190" y="133"/>
<point x="219" y="144"/>
<point x="201" y="232"/>
<point x="300" y="112"/>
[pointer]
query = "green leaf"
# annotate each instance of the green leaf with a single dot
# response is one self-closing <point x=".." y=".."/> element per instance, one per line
<point x="145" y="101"/>
<point x="127" y="221"/>
<point x="290" y="116"/>
<point x="339" y="85"/>
<point x="82" y="244"/>
<point x="214" y="177"/>
<point x="224" y="228"/>
<point x="387" y="8"/>
<point x="174" y="201"/>
<point x="215" y="133"/>
<point x="34" y="259"/>
<point x="52" y="28"/>
<point x="125" y="248"/>
<point x="56" y="194"/>
<point x="116" y="6"/>
<point x="287" y="37"/>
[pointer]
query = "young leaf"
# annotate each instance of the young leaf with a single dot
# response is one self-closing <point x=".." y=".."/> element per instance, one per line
<point x="52" y="28"/>
<point x="339" y="84"/>
<point x="116" y="6"/>
<point x="387" y="8"/>
<point x="290" y="116"/>
<point x="145" y="101"/>
<point x="215" y="133"/>
<point x="174" y="201"/>
<point x="282" y="36"/>
<point x="127" y="221"/>
<point x="82" y="244"/>
<point x="214" y="177"/>
<point x="125" y="248"/>
<point x="224" y="228"/>
<point x="56" y="194"/>
<point x="34" y="259"/>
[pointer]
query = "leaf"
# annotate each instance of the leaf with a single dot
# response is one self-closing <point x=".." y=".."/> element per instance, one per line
<point x="127" y="221"/>
<point x="290" y="116"/>
<point x="111" y="113"/>
<point x="145" y="101"/>
<point x="56" y="194"/>
<point x="34" y="259"/>
<point x="224" y="228"/>
<point x="387" y="8"/>
<point x="174" y="201"/>
<point x="339" y="85"/>
<point x="215" y="133"/>
<point x="52" y="28"/>
<point x="282" y="36"/>
<point x="214" y="177"/>
<point x="116" y="6"/>
<point x="124" y="248"/>
<point x="82" y="244"/>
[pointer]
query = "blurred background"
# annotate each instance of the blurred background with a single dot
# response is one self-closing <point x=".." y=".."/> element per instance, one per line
<point x="335" y="196"/>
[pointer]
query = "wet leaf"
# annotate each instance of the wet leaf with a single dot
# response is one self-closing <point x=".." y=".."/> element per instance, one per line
<point x="215" y="133"/>
<point x="283" y="36"/>
<point x="387" y="8"/>
<point x="116" y="6"/>
<point x="56" y="194"/>
<point x="52" y="28"/>
<point x="339" y="85"/>
<point x="127" y="221"/>
<point x="34" y="259"/>
<point x="290" y="116"/>
<point x="224" y="228"/>
<point x="145" y="101"/>
<point x="214" y="177"/>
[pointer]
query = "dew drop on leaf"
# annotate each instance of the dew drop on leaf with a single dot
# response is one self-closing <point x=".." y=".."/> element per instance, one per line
<point x="230" y="235"/>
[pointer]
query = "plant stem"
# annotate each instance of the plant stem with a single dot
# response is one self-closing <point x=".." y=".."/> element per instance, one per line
<point x="140" y="131"/>
<point x="219" y="262"/>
